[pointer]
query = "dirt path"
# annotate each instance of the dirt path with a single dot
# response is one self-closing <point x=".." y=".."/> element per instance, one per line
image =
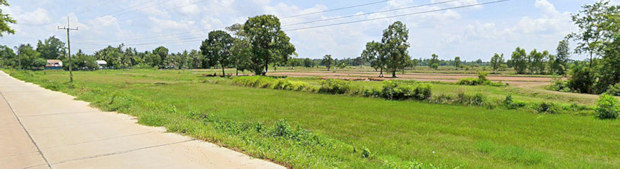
<point x="40" y="128"/>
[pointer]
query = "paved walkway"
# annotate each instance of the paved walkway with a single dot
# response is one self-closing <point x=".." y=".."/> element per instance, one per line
<point x="40" y="128"/>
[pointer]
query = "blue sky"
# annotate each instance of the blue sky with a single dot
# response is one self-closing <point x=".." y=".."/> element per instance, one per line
<point x="471" y="33"/>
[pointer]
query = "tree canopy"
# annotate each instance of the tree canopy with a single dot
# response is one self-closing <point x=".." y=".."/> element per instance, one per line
<point x="395" y="45"/>
<point x="5" y="20"/>
<point x="217" y="49"/>
<point x="268" y="42"/>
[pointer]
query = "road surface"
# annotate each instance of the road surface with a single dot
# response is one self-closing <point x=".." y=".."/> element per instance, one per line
<point x="40" y="128"/>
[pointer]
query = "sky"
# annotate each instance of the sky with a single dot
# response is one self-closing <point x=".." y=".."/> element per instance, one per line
<point x="444" y="27"/>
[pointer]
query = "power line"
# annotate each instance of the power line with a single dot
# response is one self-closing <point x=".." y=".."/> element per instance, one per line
<point x="394" y="16"/>
<point x="390" y="10"/>
<point x="169" y="35"/>
<point x="358" y="21"/>
<point x="336" y="9"/>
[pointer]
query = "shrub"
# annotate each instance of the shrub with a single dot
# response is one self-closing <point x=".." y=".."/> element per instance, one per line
<point x="366" y="153"/>
<point x="394" y="91"/>
<point x="607" y="107"/>
<point x="582" y="79"/>
<point x="477" y="100"/>
<point x="269" y="82"/>
<point x="509" y="103"/>
<point x="469" y="81"/>
<point x="481" y="80"/>
<point x="334" y="86"/>
<point x="282" y="129"/>
<point x="614" y="90"/>
<point x="550" y="108"/>
<point x="559" y="85"/>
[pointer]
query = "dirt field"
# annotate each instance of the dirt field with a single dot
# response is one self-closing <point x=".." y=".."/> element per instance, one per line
<point x="512" y="80"/>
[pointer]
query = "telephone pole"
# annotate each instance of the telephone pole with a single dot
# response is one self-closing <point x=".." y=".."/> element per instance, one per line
<point x="68" y="28"/>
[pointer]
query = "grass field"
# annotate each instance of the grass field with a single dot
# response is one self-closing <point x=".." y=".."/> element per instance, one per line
<point x="307" y="130"/>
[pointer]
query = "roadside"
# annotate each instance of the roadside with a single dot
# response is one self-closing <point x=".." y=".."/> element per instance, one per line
<point x="47" y="129"/>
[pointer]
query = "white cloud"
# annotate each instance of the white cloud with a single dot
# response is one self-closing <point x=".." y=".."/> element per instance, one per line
<point x="39" y="16"/>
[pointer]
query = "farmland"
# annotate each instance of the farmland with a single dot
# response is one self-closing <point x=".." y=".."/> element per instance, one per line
<point x="311" y="130"/>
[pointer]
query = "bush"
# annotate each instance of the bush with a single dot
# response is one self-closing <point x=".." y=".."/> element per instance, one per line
<point x="268" y="82"/>
<point x="550" y="108"/>
<point x="478" y="99"/>
<point x="559" y="85"/>
<point x="607" y="107"/>
<point x="481" y="80"/>
<point x="511" y="104"/>
<point x="582" y="79"/>
<point x="614" y="90"/>
<point x="469" y="81"/>
<point x="334" y="86"/>
<point x="394" y="91"/>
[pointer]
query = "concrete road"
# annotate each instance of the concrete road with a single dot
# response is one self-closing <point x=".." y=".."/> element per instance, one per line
<point x="40" y="128"/>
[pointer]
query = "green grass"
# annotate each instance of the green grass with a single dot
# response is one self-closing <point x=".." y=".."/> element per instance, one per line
<point x="327" y="131"/>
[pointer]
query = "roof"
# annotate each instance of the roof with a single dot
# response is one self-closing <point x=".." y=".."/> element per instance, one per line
<point x="53" y="63"/>
<point x="101" y="62"/>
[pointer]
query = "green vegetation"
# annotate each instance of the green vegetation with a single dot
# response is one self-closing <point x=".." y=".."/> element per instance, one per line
<point x="311" y="130"/>
<point x="607" y="107"/>
<point x="5" y="19"/>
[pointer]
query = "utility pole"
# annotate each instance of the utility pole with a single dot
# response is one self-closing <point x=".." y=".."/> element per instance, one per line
<point x="68" y="28"/>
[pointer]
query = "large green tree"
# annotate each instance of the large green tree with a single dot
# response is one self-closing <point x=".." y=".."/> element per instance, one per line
<point x="7" y="56"/>
<point x="216" y="49"/>
<point x="268" y="42"/>
<point x="51" y="48"/>
<point x="26" y="57"/>
<point x="5" y="20"/>
<point x="496" y="61"/>
<point x="594" y="22"/>
<point x="374" y="55"/>
<point x="395" y="46"/>
<point x="519" y="60"/>
<point x="162" y="52"/>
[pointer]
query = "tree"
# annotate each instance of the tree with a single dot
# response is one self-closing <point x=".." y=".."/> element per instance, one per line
<point x="7" y="56"/>
<point x="593" y="21"/>
<point x="196" y="59"/>
<point x="26" y="56"/>
<point x="496" y="61"/>
<point x="51" y="48"/>
<point x="162" y="52"/>
<point x="560" y="61"/>
<point x="308" y="62"/>
<point x="216" y="48"/>
<point x="241" y="55"/>
<point x="414" y="63"/>
<point x="268" y="42"/>
<point x="537" y="61"/>
<point x="328" y="61"/>
<point x="395" y="46"/>
<point x="374" y="54"/>
<point x="519" y="61"/>
<point x="5" y="20"/>
<point x="609" y="66"/>
<point x="457" y="62"/>
<point x="82" y="61"/>
<point x="434" y="62"/>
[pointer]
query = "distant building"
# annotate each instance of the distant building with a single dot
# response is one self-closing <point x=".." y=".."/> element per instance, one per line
<point x="101" y="63"/>
<point x="53" y="64"/>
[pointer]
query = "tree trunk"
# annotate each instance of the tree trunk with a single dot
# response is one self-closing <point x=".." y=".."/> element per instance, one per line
<point x="223" y="71"/>
<point x="394" y="74"/>
<point x="237" y="72"/>
<point x="381" y="72"/>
